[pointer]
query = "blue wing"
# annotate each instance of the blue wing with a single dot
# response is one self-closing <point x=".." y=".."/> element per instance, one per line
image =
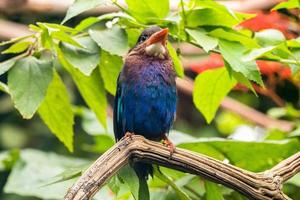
<point x="118" y="109"/>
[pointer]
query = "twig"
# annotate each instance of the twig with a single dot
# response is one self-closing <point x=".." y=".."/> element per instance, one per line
<point x="187" y="85"/>
<point x="263" y="186"/>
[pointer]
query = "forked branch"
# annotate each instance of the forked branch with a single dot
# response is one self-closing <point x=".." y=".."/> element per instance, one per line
<point x="265" y="185"/>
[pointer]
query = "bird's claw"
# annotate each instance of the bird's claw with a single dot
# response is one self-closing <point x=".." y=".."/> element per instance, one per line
<point x="128" y="135"/>
<point x="170" y="145"/>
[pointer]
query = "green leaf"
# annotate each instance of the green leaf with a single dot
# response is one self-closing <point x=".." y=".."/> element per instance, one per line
<point x="110" y="67"/>
<point x="288" y="5"/>
<point x="8" y="159"/>
<point x="6" y="65"/>
<point x="79" y="6"/>
<point x="90" y="123"/>
<point x="269" y="37"/>
<point x="16" y="39"/>
<point x="256" y="53"/>
<point x="129" y="177"/>
<point x="243" y="80"/>
<point x="17" y="47"/>
<point x="102" y="143"/>
<point x="233" y="53"/>
<point x="180" y="193"/>
<point x="68" y="174"/>
<point x="35" y="168"/>
<point x="64" y="37"/>
<point x="113" y="40"/>
<point x="210" y="13"/>
<point x="86" y="23"/>
<point x="210" y="88"/>
<point x="133" y="35"/>
<point x="4" y="88"/>
<point x="253" y="156"/>
<point x="56" y="112"/>
<point x="213" y="191"/>
<point x="240" y="77"/>
<point x="57" y="27"/>
<point x="34" y="28"/>
<point x="87" y="59"/>
<point x="90" y="87"/>
<point x="46" y="40"/>
<point x="28" y="82"/>
<point x="208" y="43"/>
<point x="294" y="43"/>
<point x="295" y="180"/>
<point x="176" y="60"/>
<point x="233" y="35"/>
<point x="144" y="10"/>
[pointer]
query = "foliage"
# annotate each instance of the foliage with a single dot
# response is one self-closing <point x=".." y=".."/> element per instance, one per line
<point x="91" y="55"/>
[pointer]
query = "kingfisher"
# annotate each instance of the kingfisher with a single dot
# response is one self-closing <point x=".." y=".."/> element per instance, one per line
<point x="146" y="96"/>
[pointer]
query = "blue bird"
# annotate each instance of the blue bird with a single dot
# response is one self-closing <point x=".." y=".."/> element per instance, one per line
<point x="145" y="102"/>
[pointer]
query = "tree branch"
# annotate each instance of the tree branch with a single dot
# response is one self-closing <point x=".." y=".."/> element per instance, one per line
<point x="262" y="186"/>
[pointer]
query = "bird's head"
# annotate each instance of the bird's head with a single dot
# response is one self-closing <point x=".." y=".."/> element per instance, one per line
<point x="152" y="42"/>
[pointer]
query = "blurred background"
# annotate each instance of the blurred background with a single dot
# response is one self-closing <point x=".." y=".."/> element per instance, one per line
<point x="242" y="116"/>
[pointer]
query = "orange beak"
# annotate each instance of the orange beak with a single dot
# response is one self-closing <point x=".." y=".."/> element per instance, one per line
<point x="160" y="36"/>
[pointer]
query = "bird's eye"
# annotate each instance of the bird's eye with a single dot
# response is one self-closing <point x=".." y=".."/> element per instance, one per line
<point x="142" y="38"/>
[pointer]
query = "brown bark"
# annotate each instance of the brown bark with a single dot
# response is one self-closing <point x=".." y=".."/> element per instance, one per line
<point x="263" y="186"/>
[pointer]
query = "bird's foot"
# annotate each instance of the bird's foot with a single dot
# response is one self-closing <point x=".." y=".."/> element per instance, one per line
<point x="169" y="144"/>
<point x="128" y="135"/>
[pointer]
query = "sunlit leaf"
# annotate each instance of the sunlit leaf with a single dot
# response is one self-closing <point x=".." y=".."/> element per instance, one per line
<point x="58" y="27"/>
<point x="113" y="40"/>
<point x="256" y="53"/>
<point x="232" y="35"/>
<point x="28" y="82"/>
<point x="79" y="6"/>
<point x="233" y="53"/>
<point x="4" y="87"/>
<point x="287" y="5"/>
<point x="110" y="67"/>
<point x="210" y="13"/>
<point x="269" y="37"/>
<point x="86" y="23"/>
<point x="17" y="47"/>
<point x="144" y="10"/>
<point x="8" y="159"/>
<point x="64" y="37"/>
<point x="35" y="169"/>
<point x="129" y="177"/>
<point x="260" y="156"/>
<point x="201" y="38"/>
<point x="56" y="112"/>
<point x="6" y="65"/>
<point x="213" y="191"/>
<point x="91" y="88"/>
<point x="210" y="88"/>
<point x="133" y="35"/>
<point x="176" y="60"/>
<point x="159" y="174"/>
<point x="84" y="59"/>
<point x="46" y="40"/>
<point x="16" y="39"/>
<point x="294" y="43"/>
